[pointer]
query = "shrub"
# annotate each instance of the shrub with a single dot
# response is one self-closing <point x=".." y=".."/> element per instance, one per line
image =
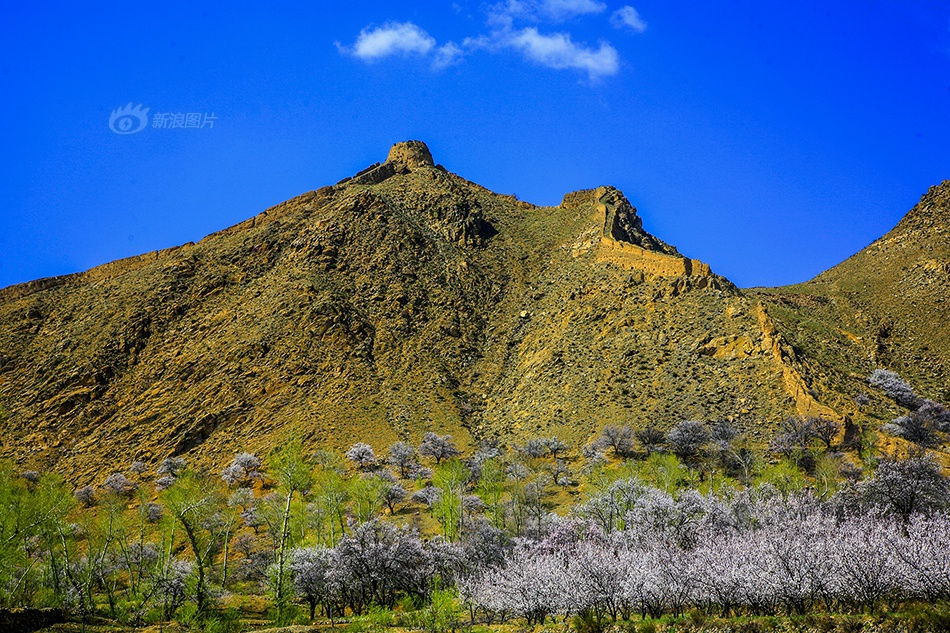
<point x="86" y="496"/>
<point x="697" y="618"/>
<point x="588" y="621"/>
<point x="228" y="621"/>
<point x="849" y="625"/>
<point x="894" y="387"/>
<point x="285" y="615"/>
<point x="119" y="484"/>
<point x="375" y="620"/>
<point x="441" y="614"/>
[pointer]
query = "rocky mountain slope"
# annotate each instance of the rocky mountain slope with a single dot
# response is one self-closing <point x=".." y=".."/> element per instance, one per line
<point x="407" y="298"/>
<point x="886" y="306"/>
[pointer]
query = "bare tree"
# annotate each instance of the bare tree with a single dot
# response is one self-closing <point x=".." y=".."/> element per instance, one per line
<point x="794" y="441"/>
<point x="650" y="438"/>
<point x="687" y="440"/>
<point x="555" y="446"/>
<point x="618" y="438"/>
<point x="533" y="448"/>
<point x="824" y="430"/>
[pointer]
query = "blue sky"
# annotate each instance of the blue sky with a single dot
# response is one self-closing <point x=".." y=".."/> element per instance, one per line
<point x="772" y="140"/>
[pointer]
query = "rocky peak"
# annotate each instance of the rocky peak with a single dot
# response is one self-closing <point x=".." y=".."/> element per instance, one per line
<point x="622" y="222"/>
<point x="403" y="157"/>
<point x="411" y="155"/>
<point x="620" y="219"/>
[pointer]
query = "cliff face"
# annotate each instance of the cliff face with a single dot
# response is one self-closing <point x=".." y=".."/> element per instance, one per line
<point x="401" y="300"/>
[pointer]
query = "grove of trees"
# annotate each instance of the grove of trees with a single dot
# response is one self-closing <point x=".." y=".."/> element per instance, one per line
<point x="637" y="523"/>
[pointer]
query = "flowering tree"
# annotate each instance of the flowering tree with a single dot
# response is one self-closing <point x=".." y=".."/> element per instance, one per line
<point x="362" y="455"/>
<point x="894" y="387"/>
<point x="243" y="470"/>
<point x="532" y="586"/>
<point x="905" y="487"/>
<point x="118" y="484"/>
<point x="403" y="457"/>
<point x="438" y="447"/>
<point x="310" y="573"/>
<point x="376" y="562"/>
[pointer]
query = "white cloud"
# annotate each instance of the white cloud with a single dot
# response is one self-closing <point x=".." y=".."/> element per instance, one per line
<point x="559" y="52"/>
<point x="567" y="9"/>
<point x="446" y="55"/>
<point x="504" y="13"/>
<point x="627" y="17"/>
<point x="553" y="50"/>
<point x="392" y="38"/>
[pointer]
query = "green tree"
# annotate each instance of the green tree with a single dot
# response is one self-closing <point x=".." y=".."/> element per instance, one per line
<point x="491" y="488"/>
<point x="293" y="473"/>
<point x="785" y="475"/>
<point x="193" y="501"/>
<point x="367" y="496"/>
<point x="442" y="613"/>
<point x="29" y="510"/>
<point x="450" y="477"/>
<point x="332" y="495"/>
<point x="139" y="557"/>
<point x="665" y="471"/>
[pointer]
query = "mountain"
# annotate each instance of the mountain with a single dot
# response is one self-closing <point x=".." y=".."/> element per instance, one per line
<point x="886" y="306"/>
<point x="407" y="299"/>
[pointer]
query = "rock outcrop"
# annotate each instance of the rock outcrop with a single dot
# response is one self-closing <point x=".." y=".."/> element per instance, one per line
<point x="403" y="157"/>
<point x="410" y="155"/>
<point x="623" y="242"/>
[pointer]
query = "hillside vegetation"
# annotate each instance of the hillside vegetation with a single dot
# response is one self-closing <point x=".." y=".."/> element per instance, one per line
<point x="637" y="530"/>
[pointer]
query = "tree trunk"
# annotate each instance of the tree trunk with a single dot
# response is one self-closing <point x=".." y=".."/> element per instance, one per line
<point x="199" y="562"/>
<point x="224" y="563"/>
<point x="282" y="543"/>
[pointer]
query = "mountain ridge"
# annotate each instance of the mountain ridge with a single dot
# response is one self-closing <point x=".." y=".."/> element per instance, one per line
<point x="405" y="299"/>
